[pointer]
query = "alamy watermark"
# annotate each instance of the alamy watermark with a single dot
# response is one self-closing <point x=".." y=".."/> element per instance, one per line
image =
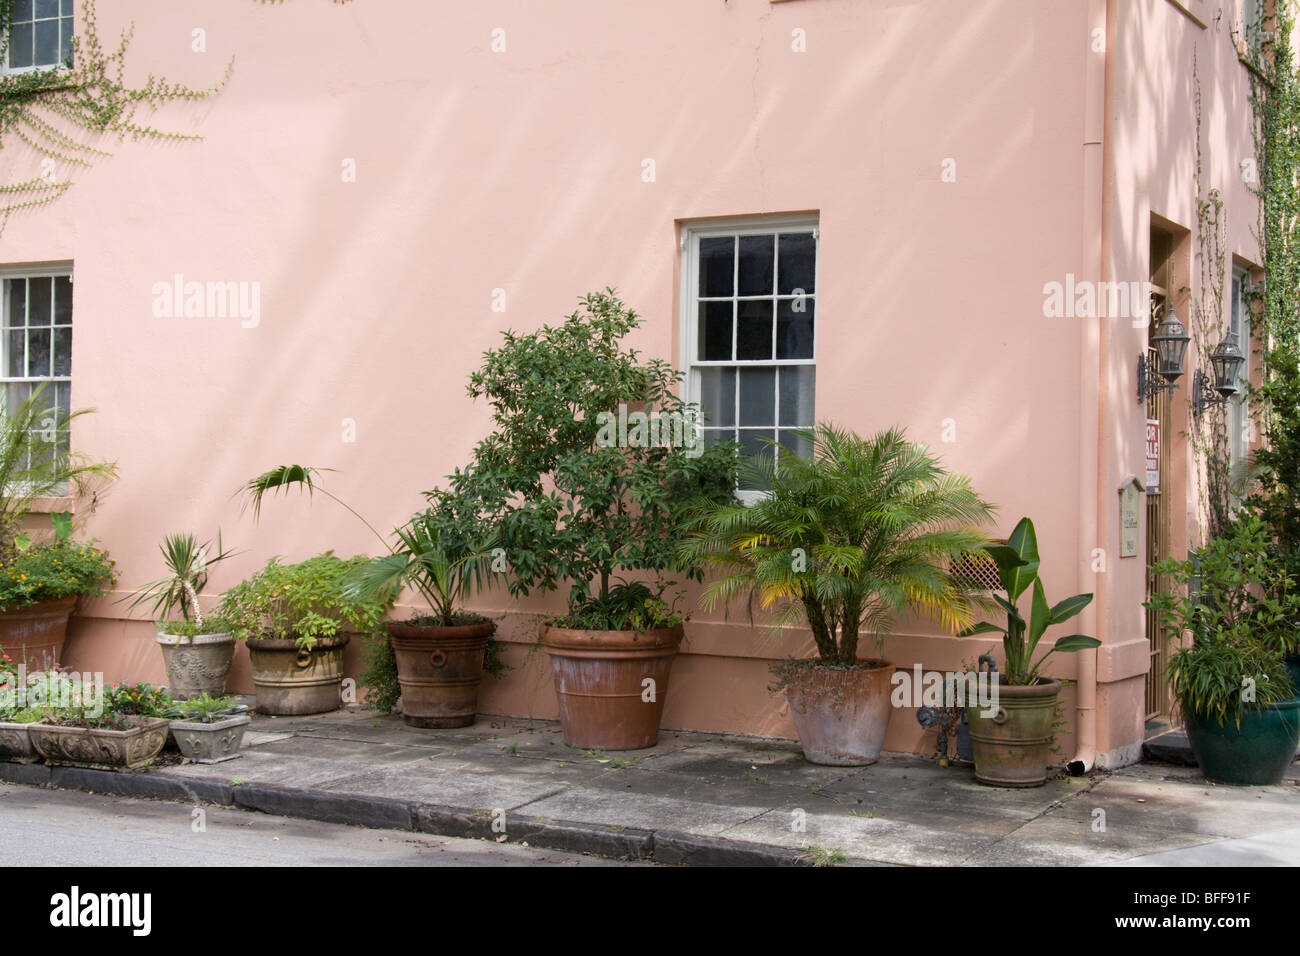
<point x="918" y="688"/>
<point x="676" y="429"/>
<point x="60" y="690"/>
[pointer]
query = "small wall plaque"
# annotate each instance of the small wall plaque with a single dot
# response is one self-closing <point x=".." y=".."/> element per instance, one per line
<point x="1129" y="496"/>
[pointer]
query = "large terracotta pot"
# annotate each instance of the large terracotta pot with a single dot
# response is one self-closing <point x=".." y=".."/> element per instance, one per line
<point x="292" y="680"/>
<point x="101" y="749"/>
<point x="841" y="713"/>
<point x="34" y="635"/>
<point x="600" y="684"/>
<point x="1256" y="753"/>
<point x="196" y="665"/>
<point x="1012" y="745"/>
<point x="439" y="670"/>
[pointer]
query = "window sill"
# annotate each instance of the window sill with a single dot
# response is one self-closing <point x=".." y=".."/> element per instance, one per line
<point x="46" y="506"/>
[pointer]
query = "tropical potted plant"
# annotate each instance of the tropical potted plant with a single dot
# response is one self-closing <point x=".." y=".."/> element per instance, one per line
<point x="297" y="621"/>
<point x="208" y="729"/>
<point x="844" y="542"/>
<point x="196" y="653"/>
<point x="1012" y="741"/>
<point x="574" y="498"/>
<point x="84" y="726"/>
<point x="41" y="582"/>
<point x="1238" y="603"/>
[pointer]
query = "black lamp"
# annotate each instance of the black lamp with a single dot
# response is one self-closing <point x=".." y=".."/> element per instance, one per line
<point x="1225" y="361"/>
<point x="1170" y="342"/>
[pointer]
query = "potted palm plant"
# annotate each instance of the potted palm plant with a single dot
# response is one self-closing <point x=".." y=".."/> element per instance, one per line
<point x="196" y="653"/>
<point x="1238" y="603"/>
<point x="41" y="582"/>
<point x="844" y="542"/>
<point x="575" y="502"/>
<point x="1011" y="742"/>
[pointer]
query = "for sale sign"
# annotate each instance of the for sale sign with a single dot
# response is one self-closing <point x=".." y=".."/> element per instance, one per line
<point x="1153" y="456"/>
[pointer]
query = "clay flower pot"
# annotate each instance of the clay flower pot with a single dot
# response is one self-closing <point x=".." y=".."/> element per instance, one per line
<point x="841" y="713"/>
<point x="1012" y="745"/>
<point x="439" y="670"/>
<point x="196" y="665"/>
<point x="292" y="680"/>
<point x="600" y="678"/>
<point x="34" y="635"/>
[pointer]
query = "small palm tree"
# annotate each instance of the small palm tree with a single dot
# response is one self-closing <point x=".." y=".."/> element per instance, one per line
<point x="187" y="563"/>
<point x="846" y="540"/>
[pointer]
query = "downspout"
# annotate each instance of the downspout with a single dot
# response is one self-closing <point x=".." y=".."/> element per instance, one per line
<point x="1094" y="344"/>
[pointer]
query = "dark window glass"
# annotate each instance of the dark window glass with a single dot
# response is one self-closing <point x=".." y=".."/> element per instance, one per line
<point x="717" y="266"/>
<point x="798" y="266"/>
<point x="756" y="261"/>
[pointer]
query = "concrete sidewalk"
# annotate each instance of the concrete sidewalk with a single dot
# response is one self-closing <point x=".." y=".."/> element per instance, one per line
<point x="712" y="799"/>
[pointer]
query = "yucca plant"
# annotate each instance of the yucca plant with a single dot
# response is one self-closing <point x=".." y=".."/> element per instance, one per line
<point x="846" y="540"/>
<point x="187" y="563"/>
<point x="1018" y="564"/>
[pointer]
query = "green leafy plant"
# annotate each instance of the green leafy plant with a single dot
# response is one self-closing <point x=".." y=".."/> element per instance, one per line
<point x="58" y="568"/>
<point x="846" y="540"/>
<point x="1018" y="564"/>
<point x="303" y="602"/>
<point x="204" y="709"/>
<point x="137" y="700"/>
<point x="187" y="563"/>
<point x="567" y="503"/>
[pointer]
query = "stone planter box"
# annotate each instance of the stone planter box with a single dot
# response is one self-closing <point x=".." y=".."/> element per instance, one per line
<point x="210" y="743"/>
<point x="16" y="744"/>
<point x="100" y="749"/>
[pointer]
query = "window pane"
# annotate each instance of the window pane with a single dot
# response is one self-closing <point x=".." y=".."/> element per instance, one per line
<point x="757" y="255"/>
<point x="67" y="10"/>
<point x="47" y="8"/>
<point x="20" y="45"/>
<point x="757" y="396"/>
<point x="63" y="397"/>
<point x="17" y="289"/>
<point x="715" y="331"/>
<point x="38" y="353"/>
<point x="39" y="301"/>
<point x="718" y="395"/>
<point x="754" y="330"/>
<point x="65" y="41"/>
<point x="47" y="42"/>
<point x="17" y="366"/>
<point x="794" y="328"/>
<point x="717" y="265"/>
<point x="62" y="301"/>
<point x="22" y="10"/>
<point x="754" y="443"/>
<point x="63" y="351"/>
<point x="798" y="269"/>
<point x="716" y="436"/>
<point x="798" y="383"/>
<point x="794" y="441"/>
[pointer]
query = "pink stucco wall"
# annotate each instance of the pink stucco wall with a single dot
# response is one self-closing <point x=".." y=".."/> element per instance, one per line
<point x="522" y="170"/>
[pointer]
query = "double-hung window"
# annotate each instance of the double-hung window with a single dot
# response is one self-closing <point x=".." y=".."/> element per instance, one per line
<point x="750" y="302"/>
<point x="40" y="35"/>
<point x="36" y="343"/>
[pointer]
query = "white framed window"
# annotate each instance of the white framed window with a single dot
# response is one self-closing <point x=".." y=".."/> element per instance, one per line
<point x="40" y="35"/>
<point x="1239" y="424"/>
<point x="749" y="304"/>
<point x="36" y="341"/>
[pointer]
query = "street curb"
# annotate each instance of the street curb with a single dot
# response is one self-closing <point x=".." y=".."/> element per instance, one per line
<point x="383" y="813"/>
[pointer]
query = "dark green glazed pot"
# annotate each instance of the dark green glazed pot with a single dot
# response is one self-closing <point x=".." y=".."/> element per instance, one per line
<point x="1256" y="753"/>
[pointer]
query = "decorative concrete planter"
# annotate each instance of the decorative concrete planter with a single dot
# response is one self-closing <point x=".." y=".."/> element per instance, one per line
<point x="292" y="680"/>
<point x="210" y="743"/>
<point x="439" y="670"/>
<point x="1012" y="745"/>
<point x="196" y="665"/>
<point x="16" y="744"/>
<point x="599" y="682"/>
<point x="101" y="749"/>
<point x="34" y="635"/>
<point x="841" y="714"/>
<point x="1256" y="753"/>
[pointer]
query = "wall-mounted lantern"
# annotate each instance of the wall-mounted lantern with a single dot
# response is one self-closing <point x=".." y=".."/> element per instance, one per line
<point x="1170" y="342"/>
<point x="1225" y="362"/>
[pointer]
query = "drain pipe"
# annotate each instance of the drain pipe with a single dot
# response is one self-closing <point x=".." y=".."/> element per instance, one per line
<point x="1094" y="342"/>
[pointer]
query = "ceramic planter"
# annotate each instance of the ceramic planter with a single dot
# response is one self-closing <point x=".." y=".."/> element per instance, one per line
<point x="210" y="743"/>
<point x="34" y="635"/>
<point x="16" y="744"/>
<point x="1012" y="745"/>
<point x="599" y="683"/>
<point x="1256" y="753"/>
<point x="196" y="665"/>
<point x="439" y="670"/>
<point x="101" y="749"/>
<point x="292" y="680"/>
<point x="841" y="714"/>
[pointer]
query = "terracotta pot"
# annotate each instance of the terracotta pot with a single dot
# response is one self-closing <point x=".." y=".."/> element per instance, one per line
<point x="196" y="665"/>
<point x="1012" y="745"/>
<point x="439" y="670"/>
<point x="98" y="748"/>
<point x="34" y="634"/>
<point x="599" y="683"/>
<point x="291" y="680"/>
<point x="841" y="714"/>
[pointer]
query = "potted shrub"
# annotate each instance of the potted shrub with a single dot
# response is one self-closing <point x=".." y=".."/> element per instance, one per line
<point x="85" y="727"/>
<point x="575" y="500"/>
<point x="844" y="542"/>
<point x="1232" y="683"/>
<point x="208" y="729"/>
<point x="196" y="653"/>
<point x="1011" y="746"/>
<point x="40" y="583"/>
<point x="296" y="621"/>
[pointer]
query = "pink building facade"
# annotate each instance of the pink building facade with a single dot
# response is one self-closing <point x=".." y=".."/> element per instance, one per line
<point x="382" y="188"/>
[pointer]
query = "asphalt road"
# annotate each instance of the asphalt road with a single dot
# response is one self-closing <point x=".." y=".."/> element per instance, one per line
<point x="70" y="828"/>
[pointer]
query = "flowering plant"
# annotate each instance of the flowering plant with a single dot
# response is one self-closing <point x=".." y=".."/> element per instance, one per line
<point x="55" y="569"/>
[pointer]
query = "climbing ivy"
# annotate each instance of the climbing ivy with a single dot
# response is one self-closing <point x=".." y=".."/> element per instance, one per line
<point x="60" y="112"/>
